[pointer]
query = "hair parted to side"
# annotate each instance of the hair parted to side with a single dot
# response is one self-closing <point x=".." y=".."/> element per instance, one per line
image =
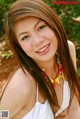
<point x="37" y="8"/>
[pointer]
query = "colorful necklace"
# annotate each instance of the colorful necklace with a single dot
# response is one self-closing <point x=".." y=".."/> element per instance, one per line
<point x="59" y="76"/>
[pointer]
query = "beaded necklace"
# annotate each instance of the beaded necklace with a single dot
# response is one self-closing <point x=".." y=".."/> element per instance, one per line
<point x="59" y="76"/>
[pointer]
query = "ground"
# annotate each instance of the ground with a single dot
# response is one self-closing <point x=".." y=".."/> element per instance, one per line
<point x="8" y="66"/>
<point x="8" y="63"/>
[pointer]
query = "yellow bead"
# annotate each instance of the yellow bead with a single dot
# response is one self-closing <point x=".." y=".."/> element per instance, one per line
<point x="43" y="69"/>
<point x="52" y="81"/>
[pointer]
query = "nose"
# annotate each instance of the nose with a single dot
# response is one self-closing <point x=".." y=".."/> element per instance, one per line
<point x="37" y="39"/>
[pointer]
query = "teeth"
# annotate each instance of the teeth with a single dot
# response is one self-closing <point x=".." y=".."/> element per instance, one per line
<point x="42" y="49"/>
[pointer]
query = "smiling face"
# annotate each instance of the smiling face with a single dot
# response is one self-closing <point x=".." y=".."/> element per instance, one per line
<point x="36" y="39"/>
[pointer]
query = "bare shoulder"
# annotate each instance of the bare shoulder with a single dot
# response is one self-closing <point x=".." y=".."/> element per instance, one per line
<point x="71" y="44"/>
<point x="17" y="93"/>
<point x="72" y="50"/>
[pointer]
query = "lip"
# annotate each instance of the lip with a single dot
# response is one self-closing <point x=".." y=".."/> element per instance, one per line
<point x="44" y="49"/>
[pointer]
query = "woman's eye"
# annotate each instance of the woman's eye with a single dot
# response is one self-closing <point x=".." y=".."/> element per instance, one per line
<point x="41" y="27"/>
<point x="25" y="37"/>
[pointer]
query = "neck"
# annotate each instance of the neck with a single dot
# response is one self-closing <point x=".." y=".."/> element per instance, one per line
<point x="51" y="67"/>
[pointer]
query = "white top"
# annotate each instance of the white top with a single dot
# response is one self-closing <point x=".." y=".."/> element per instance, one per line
<point x="43" y="111"/>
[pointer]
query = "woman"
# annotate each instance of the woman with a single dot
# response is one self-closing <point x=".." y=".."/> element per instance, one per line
<point x="46" y="86"/>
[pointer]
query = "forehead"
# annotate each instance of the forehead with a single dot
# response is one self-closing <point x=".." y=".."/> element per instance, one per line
<point x="29" y="21"/>
<point x="26" y="24"/>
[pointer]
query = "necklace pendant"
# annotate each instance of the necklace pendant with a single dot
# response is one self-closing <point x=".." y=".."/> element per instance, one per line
<point x="52" y="81"/>
<point x="43" y="69"/>
<point x="54" y="84"/>
<point x="57" y="81"/>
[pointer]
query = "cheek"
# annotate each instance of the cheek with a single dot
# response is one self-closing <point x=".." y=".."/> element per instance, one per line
<point x="50" y="34"/>
<point x="53" y="38"/>
<point x="26" y="47"/>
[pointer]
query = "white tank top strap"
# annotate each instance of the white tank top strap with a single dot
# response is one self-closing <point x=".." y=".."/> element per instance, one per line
<point x="66" y="97"/>
<point x="43" y="111"/>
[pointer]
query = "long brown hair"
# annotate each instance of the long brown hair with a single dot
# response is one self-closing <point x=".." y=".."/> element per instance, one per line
<point x="37" y="8"/>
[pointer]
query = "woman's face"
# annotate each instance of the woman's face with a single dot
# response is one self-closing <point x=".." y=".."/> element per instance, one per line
<point x="36" y="39"/>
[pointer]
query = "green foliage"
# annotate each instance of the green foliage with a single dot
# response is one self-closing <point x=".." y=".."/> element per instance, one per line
<point x="6" y="54"/>
<point x="68" y="15"/>
<point x="4" y="6"/>
<point x="78" y="72"/>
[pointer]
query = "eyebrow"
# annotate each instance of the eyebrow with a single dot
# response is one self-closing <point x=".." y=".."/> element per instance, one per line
<point x="34" y="26"/>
